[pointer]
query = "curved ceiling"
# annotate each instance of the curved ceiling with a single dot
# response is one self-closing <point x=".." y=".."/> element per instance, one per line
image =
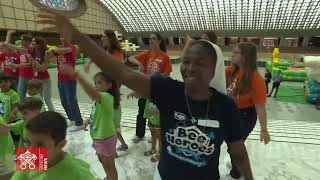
<point x="220" y="15"/>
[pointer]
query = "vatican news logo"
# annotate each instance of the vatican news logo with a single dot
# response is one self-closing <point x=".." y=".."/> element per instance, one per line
<point x="32" y="159"/>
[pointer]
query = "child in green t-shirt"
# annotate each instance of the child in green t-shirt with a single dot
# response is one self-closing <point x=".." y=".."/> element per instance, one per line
<point x="29" y="108"/>
<point x="49" y="130"/>
<point x="9" y="99"/>
<point x="34" y="89"/>
<point x="102" y="127"/>
<point x="7" y="165"/>
<point x="151" y="113"/>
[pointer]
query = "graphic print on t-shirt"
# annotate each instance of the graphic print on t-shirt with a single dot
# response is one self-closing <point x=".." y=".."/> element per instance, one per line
<point x="154" y="66"/>
<point x="2" y="109"/>
<point x="189" y="143"/>
<point x="10" y="60"/>
<point x="23" y="58"/>
<point x="61" y="60"/>
<point x="4" y="103"/>
<point x="231" y="88"/>
<point x="93" y="110"/>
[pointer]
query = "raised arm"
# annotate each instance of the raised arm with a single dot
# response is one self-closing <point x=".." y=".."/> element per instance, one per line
<point x="61" y="50"/>
<point x="108" y="64"/>
<point x="13" y="47"/>
<point x="9" y="35"/>
<point x="86" y="85"/>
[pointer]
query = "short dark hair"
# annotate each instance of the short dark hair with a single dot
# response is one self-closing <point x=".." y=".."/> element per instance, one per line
<point x="51" y="123"/>
<point x="35" y="83"/>
<point x="30" y="103"/>
<point x="212" y="36"/>
<point x="26" y="37"/>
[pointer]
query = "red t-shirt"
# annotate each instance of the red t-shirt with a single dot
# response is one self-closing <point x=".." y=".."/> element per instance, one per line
<point x="27" y="71"/>
<point x="68" y="58"/>
<point x="256" y="95"/>
<point x="154" y="62"/>
<point x="7" y="58"/>
<point x="42" y="74"/>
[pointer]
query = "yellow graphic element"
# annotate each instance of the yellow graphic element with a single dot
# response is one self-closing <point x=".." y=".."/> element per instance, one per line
<point x="275" y="57"/>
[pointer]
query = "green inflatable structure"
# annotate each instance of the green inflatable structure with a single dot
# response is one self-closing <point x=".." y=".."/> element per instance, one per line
<point x="288" y="73"/>
<point x="312" y="89"/>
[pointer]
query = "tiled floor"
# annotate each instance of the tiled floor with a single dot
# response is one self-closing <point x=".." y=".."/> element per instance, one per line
<point x="293" y="153"/>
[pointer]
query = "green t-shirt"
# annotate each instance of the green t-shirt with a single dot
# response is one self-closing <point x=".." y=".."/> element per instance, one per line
<point x="7" y="100"/>
<point x="152" y="119"/>
<point x="69" y="168"/>
<point x="117" y="117"/>
<point x="101" y="118"/>
<point x="6" y="142"/>
<point x="19" y="128"/>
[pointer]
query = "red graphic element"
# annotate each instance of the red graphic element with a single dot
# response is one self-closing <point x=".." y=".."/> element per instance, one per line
<point x="32" y="159"/>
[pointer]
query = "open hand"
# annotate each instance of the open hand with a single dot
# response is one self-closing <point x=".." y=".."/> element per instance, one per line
<point x="59" y="23"/>
<point x="264" y="137"/>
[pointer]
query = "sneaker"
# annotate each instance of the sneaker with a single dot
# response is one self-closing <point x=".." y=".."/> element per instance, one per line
<point x="318" y="107"/>
<point x="136" y="139"/>
<point x="228" y="177"/>
<point x="75" y="128"/>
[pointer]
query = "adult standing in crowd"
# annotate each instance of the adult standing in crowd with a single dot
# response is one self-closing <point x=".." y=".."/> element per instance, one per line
<point x="153" y="61"/>
<point x="247" y="88"/>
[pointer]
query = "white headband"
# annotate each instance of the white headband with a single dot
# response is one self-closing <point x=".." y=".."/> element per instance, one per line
<point x="219" y="79"/>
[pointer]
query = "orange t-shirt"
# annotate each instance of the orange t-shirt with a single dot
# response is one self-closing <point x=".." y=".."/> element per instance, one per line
<point x="257" y="94"/>
<point x="154" y="62"/>
<point x="118" y="54"/>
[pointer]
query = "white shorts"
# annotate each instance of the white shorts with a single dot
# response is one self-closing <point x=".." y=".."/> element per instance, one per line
<point x="156" y="174"/>
<point x="7" y="164"/>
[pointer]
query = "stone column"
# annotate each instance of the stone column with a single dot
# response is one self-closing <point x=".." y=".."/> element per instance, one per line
<point x="261" y="42"/>
<point x="140" y="41"/>
<point x="305" y="41"/>
<point x="283" y="42"/>
<point x="171" y="42"/>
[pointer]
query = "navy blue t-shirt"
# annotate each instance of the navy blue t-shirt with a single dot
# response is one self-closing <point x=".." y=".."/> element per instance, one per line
<point x="191" y="146"/>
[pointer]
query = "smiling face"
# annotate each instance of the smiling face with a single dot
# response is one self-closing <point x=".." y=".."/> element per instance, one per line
<point x="198" y="67"/>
